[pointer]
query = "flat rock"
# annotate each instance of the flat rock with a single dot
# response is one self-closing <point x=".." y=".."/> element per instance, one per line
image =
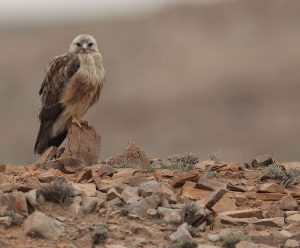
<point x="248" y="244"/>
<point x="236" y="221"/>
<point x="179" y="180"/>
<point x="90" y="204"/>
<point x="112" y="193"/>
<point x="189" y="191"/>
<point x="2" y="167"/>
<point x="210" y="184"/>
<point x="88" y="189"/>
<point x="150" y="202"/>
<point x="271" y="188"/>
<point x="285" y="234"/>
<point x="267" y="196"/>
<point x="291" y="243"/>
<point x="83" y="144"/>
<point x="47" y="155"/>
<point x="225" y="204"/>
<point x="173" y="216"/>
<point x="291" y="165"/>
<point x="130" y="193"/>
<point x="244" y="213"/>
<point x="15" y="201"/>
<point x="271" y="222"/>
<point x="67" y="165"/>
<point x="288" y="203"/>
<point x="39" y="224"/>
<point x="295" y="218"/>
<point x="136" y="181"/>
<point x="262" y="160"/>
<point x="182" y="233"/>
<point x="273" y="211"/>
<point x="104" y="184"/>
<point x="213" y="237"/>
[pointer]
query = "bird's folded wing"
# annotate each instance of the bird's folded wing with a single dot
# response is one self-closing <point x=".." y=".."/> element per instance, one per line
<point x="58" y="73"/>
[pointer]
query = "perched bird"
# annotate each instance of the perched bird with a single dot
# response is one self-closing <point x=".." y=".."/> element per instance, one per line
<point x="72" y="84"/>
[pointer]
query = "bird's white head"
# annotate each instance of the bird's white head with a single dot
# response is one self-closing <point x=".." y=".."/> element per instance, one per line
<point x="84" y="43"/>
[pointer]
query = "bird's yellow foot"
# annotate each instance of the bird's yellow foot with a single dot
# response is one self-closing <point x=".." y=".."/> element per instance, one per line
<point x="77" y="121"/>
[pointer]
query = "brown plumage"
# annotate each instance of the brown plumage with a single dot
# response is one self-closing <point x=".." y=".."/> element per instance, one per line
<point x="72" y="84"/>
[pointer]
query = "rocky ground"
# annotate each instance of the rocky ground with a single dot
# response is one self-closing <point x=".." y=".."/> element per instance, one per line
<point x="69" y="199"/>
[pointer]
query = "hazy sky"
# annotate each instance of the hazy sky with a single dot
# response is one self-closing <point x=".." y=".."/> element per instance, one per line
<point x="37" y="11"/>
<point x="16" y="11"/>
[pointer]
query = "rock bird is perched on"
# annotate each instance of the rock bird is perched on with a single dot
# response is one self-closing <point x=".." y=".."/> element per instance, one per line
<point x="72" y="84"/>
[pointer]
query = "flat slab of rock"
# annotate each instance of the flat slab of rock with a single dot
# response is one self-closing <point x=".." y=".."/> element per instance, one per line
<point x="40" y="225"/>
<point x="150" y="202"/>
<point x="210" y="184"/>
<point x="83" y="144"/>
<point x="272" y="222"/>
<point x="288" y="203"/>
<point x="87" y="188"/>
<point x="295" y="218"/>
<point x="271" y="188"/>
<point x="245" y="213"/>
<point x="262" y="160"/>
<point x="179" y="180"/>
<point x="182" y="233"/>
<point x="173" y="216"/>
<point x="15" y="201"/>
<point x="266" y="196"/>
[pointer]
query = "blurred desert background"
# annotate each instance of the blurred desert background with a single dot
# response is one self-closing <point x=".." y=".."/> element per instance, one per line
<point x="198" y="76"/>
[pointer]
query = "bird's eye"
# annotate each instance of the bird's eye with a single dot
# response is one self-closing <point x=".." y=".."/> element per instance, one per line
<point x="90" y="44"/>
<point x="78" y="44"/>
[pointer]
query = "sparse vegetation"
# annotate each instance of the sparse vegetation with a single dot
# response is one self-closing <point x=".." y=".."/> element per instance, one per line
<point x="230" y="239"/>
<point x="215" y="156"/>
<point x="291" y="177"/>
<point x="59" y="191"/>
<point x="193" y="231"/>
<point x="210" y="173"/>
<point x="275" y="171"/>
<point x="16" y="219"/>
<point x="182" y="162"/>
<point x="190" y="211"/>
<point x="185" y="244"/>
<point x="124" y="164"/>
<point x="125" y="210"/>
<point x="99" y="237"/>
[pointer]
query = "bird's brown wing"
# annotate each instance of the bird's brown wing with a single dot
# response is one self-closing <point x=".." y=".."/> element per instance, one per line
<point x="58" y="73"/>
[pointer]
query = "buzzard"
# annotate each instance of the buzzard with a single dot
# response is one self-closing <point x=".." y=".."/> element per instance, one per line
<point x="72" y="84"/>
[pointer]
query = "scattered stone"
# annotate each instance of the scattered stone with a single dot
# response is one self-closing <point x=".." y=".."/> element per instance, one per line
<point x="291" y="243"/>
<point x="182" y="178"/>
<point x="272" y="222"/>
<point x="5" y="221"/>
<point x="46" y="177"/>
<point x="189" y="191"/>
<point x="112" y="194"/>
<point x="295" y="218"/>
<point x="225" y="204"/>
<point x="115" y="246"/>
<point x="291" y="165"/>
<point x="83" y="144"/>
<point x="88" y="189"/>
<point x="90" y="204"/>
<point x="273" y="211"/>
<point x="214" y="198"/>
<point x="244" y="213"/>
<point x="136" y="181"/>
<point x="285" y="234"/>
<point x="174" y="216"/>
<point x="150" y="202"/>
<point x="271" y="188"/>
<point x="267" y="196"/>
<point x="148" y="188"/>
<point x="182" y="233"/>
<point x="130" y="193"/>
<point x="288" y="203"/>
<point x="104" y="184"/>
<point x="236" y="188"/>
<point x="213" y="237"/>
<point x="210" y="184"/>
<point x="116" y="202"/>
<point x="288" y="213"/>
<point x="263" y="160"/>
<point x="15" y="201"/>
<point x="40" y="225"/>
<point x="152" y="212"/>
<point x="248" y="244"/>
<point x="67" y="165"/>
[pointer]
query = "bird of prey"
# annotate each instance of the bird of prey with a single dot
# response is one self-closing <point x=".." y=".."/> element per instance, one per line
<point x="72" y="84"/>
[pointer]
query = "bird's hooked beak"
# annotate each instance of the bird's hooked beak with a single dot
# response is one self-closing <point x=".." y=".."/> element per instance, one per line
<point x="84" y="46"/>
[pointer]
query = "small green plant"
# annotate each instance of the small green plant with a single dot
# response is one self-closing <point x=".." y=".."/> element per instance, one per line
<point x="99" y="237"/>
<point x="190" y="212"/>
<point x="126" y="210"/>
<point x="275" y="171"/>
<point x="59" y="191"/>
<point x="215" y="156"/>
<point x="291" y="177"/>
<point x="230" y="239"/>
<point x="183" y="162"/>
<point x="185" y="244"/>
<point x="210" y="173"/>
<point x="124" y="164"/>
